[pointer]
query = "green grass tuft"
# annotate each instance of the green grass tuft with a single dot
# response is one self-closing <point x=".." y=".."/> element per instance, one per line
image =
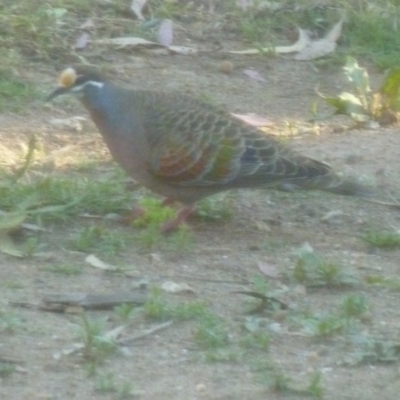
<point x="384" y="240"/>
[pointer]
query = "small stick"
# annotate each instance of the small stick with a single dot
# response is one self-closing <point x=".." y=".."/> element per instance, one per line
<point x="144" y="334"/>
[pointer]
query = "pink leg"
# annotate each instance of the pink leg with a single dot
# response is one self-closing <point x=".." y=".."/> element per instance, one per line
<point x="175" y="223"/>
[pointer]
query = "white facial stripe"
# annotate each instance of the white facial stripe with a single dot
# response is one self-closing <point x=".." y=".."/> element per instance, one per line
<point x="93" y="83"/>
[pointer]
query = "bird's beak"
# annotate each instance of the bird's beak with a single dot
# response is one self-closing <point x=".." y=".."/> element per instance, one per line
<point x="58" y="92"/>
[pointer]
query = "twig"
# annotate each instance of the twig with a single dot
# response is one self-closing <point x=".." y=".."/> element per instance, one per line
<point x="144" y="334"/>
<point x="395" y="206"/>
<point x="198" y="278"/>
<point x="11" y="360"/>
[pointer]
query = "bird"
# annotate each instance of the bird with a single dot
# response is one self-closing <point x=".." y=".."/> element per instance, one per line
<point x="186" y="149"/>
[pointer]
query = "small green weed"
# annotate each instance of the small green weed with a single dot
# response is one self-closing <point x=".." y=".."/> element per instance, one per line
<point x="156" y="214"/>
<point x="392" y="283"/>
<point x="125" y="312"/>
<point x="353" y="308"/>
<point x="374" y="351"/>
<point x="281" y="383"/>
<point x="12" y="285"/>
<point x="384" y="240"/>
<point x="64" y="269"/>
<point x="222" y="355"/>
<point x="215" y="208"/>
<point x="211" y="332"/>
<point x="9" y="322"/>
<point x="101" y="239"/>
<point x="14" y="93"/>
<point x="106" y="383"/>
<point x="31" y="246"/>
<point x="324" y="326"/>
<point x="315" y="388"/>
<point x="345" y="318"/>
<point x="311" y="270"/>
<point x="92" y="333"/>
<point x="256" y="340"/>
<point x="171" y="9"/>
<point x="365" y="107"/>
<point x="6" y="369"/>
<point x="372" y="31"/>
<point x="158" y="307"/>
<point x="58" y="198"/>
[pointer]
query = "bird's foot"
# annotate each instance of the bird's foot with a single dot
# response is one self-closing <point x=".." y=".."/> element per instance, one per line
<point x="174" y="224"/>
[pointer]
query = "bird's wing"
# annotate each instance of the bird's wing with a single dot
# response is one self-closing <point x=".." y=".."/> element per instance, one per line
<point x="194" y="144"/>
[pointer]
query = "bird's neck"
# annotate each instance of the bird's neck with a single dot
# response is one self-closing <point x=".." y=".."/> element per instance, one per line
<point x="103" y="104"/>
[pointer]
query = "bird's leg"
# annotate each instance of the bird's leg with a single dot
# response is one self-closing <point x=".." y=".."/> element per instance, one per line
<point x="175" y="223"/>
<point x="137" y="212"/>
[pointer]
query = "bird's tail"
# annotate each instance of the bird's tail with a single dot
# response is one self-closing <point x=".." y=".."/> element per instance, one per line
<point x="346" y="186"/>
<point x="321" y="176"/>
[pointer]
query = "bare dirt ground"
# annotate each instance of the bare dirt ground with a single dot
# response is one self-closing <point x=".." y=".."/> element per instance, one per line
<point x="267" y="228"/>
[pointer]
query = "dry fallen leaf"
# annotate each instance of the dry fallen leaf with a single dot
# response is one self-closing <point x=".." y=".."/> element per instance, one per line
<point x="97" y="263"/>
<point x="253" y="119"/>
<point x="331" y="215"/>
<point x="127" y="43"/>
<point x="269" y="270"/>
<point x="137" y="7"/>
<point x="182" y="50"/>
<point x="253" y="74"/>
<point x="173" y="287"/>
<point x="88" y="24"/>
<point x="165" y="34"/>
<point x="322" y="47"/>
<point x="115" y="333"/>
<point x="82" y="41"/>
<point x="302" y="42"/>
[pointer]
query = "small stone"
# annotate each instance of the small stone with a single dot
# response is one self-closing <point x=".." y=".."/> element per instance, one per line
<point x="201" y="387"/>
<point x="313" y="356"/>
<point x="280" y="315"/>
<point x="226" y="67"/>
<point x="366" y="317"/>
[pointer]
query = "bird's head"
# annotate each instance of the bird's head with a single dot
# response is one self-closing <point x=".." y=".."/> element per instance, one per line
<point x="74" y="80"/>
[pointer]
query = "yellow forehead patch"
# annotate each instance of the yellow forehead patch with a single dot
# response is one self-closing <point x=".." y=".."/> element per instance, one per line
<point x="67" y="78"/>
